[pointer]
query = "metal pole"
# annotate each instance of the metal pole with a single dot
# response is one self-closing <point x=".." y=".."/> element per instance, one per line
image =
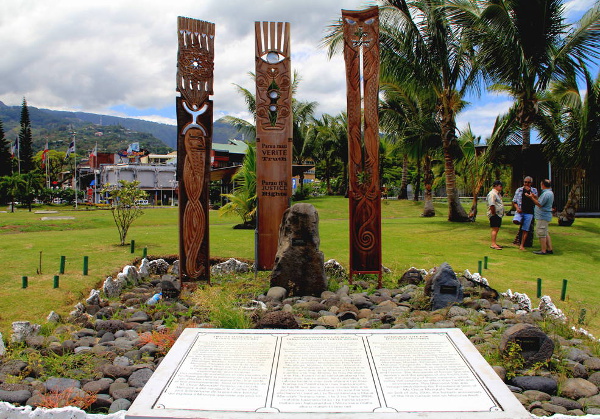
<point x="485" y="262"/>
<point x="85" y="265"/>
<point x="55" y="283"/>
<point x="132" y="244"/>
<point x="539" y="287"/>
<point x="23" y="282"/>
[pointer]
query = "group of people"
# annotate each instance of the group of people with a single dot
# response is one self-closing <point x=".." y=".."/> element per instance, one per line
<point x="529" y="207"/>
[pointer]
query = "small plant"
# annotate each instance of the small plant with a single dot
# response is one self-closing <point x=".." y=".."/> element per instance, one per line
<point x="67" y="398"/>
<point x="227" y="315"/>
<point x="163" y="339"/>
<point x="512" y="359"/>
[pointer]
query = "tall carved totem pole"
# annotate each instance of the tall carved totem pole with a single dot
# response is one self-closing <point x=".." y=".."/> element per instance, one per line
<point x="273" y="135"/>
<point x="361" y="54"/>
<point x="195" y="63"/>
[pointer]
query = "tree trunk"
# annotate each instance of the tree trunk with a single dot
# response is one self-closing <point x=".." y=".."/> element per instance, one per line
<point x="301" y="181"/>
<point x="567" y="215"/>
<point x="526" y="113"/>
<point x="417" y="185"/>
<point x="428" y="209"/>
<point x="476" y="189"/>
<point x="448" y="127"/>
<point x="404" y="185"/>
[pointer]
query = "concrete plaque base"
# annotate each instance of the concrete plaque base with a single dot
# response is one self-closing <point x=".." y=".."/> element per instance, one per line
<point x="218" y="373"/>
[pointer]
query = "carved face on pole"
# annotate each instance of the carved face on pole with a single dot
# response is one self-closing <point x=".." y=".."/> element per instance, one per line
<point x="195" y="63"/>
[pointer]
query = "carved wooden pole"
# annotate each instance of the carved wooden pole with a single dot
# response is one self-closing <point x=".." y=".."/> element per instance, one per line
<point x="273" y="135"/>
<point x="195" y="63"/>
<point x="361" y="54"/>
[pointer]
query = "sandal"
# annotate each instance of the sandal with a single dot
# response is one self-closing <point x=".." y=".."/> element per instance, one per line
<point x="496" y="247"/>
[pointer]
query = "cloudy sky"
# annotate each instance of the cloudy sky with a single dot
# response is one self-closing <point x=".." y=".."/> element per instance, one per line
<point x="119" y="57"/>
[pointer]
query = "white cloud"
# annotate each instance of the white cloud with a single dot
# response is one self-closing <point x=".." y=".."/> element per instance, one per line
<point x="574" y="8"/>
<point x="482" y="117"/>
<point x="93" y="56"/>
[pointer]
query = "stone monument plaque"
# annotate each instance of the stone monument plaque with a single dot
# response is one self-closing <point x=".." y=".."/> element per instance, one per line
<point x="218" y="373"/>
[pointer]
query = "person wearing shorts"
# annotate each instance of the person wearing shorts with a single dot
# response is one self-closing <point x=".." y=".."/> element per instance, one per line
<point x="495" y="212"/>
<point x="525" y="207"/>
<point x="543" y="216"/>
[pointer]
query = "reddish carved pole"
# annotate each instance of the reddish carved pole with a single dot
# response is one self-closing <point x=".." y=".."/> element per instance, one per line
<point x="361" y="54"/>
<point x="195" y="63"/>
<point x="273" y="135"/>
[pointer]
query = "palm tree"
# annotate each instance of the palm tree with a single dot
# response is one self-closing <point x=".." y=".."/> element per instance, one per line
<point x="413" y="118"/>
<point x="329" y="138"/>
<point x="13" y="185"/>
<point x="523" y="45"/>
<point x="302" y="112"/>
<point x="577" y="123"/>
<point x="243" y="200"/>
<point x="421" y="46"/>
<point x="34" y="182"/>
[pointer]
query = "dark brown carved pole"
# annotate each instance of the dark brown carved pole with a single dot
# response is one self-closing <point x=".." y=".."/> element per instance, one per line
<point x="273" y="135"/>
<point x="361" y="54"/>
<point x="195" y="63"/>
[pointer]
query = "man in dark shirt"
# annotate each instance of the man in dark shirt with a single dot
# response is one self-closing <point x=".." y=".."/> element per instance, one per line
<point x="525" y="206"/>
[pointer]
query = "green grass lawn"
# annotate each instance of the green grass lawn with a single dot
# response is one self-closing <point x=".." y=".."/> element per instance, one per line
<point x="408" y="240"/>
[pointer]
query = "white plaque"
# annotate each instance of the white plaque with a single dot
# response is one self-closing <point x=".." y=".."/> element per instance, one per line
<point x="217" y="373"/>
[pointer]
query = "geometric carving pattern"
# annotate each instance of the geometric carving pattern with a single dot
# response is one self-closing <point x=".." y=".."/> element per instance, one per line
<point x="361" y="55"/>
<point x="195" y="64"/>
<point x="273" y="135"/>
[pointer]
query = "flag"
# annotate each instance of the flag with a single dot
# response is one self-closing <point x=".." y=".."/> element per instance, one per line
<point x="71" y="149"/>
<point x="45" y="155"/>
<point x="94" y="152"/>
<point x="14" y="149"/>
<point x="133" y="147"/>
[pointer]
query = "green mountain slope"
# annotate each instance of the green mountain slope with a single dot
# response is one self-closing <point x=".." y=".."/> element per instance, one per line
<point x="109" y="132"/>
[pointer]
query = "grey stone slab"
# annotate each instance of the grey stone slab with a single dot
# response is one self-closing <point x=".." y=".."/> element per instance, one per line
<point x="218" y="373"/>
<point x="45" y="212"/>
<point x="57" y="218"/>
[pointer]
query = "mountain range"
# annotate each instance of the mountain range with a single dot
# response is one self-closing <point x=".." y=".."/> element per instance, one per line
<point x="111" y="133"/>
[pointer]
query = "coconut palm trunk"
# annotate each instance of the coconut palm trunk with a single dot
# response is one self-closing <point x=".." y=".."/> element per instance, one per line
<point x="404" y="185"/>
<point x="428" y="209"/>
<point x="456" y="212"/>
<point x="417" y="185"/>
<point x="567" y="215"/>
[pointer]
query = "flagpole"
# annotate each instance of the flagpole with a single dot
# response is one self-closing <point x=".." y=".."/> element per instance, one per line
<point x="19" y="155"/>
<point x="46" y="163"/>
<point x="75" y="168"/>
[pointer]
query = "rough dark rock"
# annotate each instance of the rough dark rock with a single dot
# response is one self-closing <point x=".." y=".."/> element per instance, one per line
<point x="140" y="377"/>
<point x="17" y="396"/>
<point x="299" y="263"/>
<point x="412" y="276"/>
<point x="277" y="320"/>
<point x="444" y="287"/>
<point x="116" y="371"/>
<point x="58" y="385"/>
<point x="576" y="388"/>
<point x="13" y="367"/>
<point x="545" y="384"/>
<point x="119" y="404"/>
<point x="536" y="346"/>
